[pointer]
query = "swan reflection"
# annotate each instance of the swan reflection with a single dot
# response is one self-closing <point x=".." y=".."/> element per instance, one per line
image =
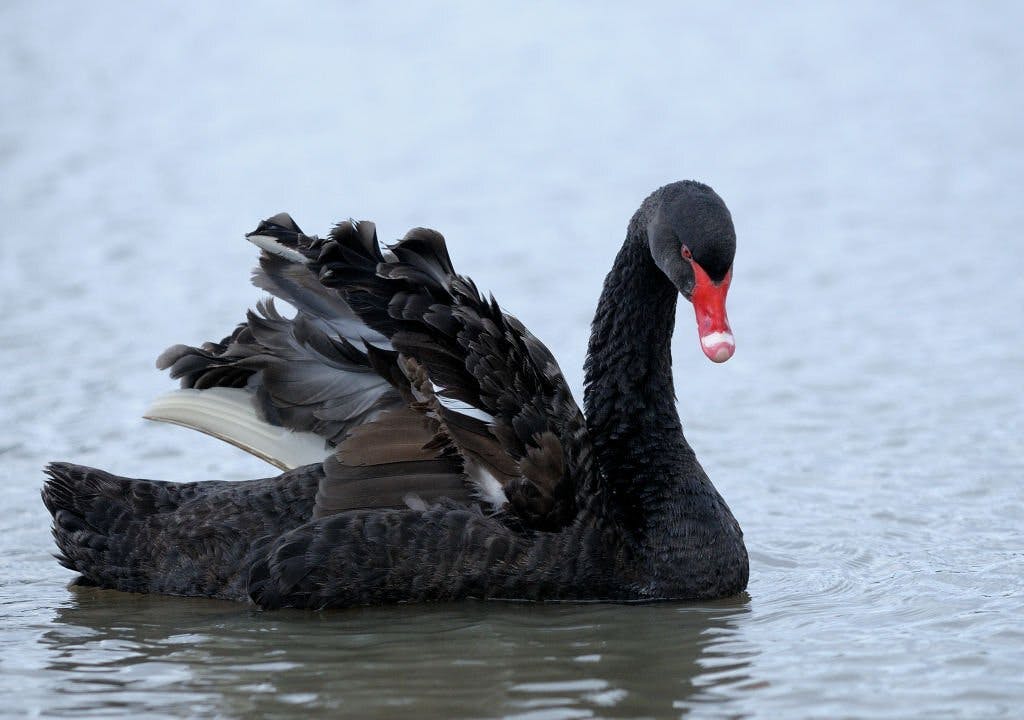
<point x="128" y="654"/>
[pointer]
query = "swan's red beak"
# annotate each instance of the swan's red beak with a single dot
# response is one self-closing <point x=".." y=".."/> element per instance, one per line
<point x="708" y="300"/>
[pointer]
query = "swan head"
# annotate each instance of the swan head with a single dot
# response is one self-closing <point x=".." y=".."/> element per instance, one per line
<point x="693" y="242"/>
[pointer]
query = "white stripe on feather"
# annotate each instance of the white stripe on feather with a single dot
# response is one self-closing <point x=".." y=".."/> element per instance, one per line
<point x="463" y="408"/>
<point x="272" y="246"/>
<point x="230" y="415"/>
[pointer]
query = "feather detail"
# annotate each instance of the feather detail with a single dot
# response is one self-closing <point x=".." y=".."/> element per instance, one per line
<point x="272" y="246"/>
<point x="378" y="330"/>
<point x="494" y="389"/>
<point x="305" y="373"/>
<point x="230" y="415"/>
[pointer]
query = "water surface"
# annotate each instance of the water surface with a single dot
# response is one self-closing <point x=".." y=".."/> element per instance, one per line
<point x="867" y="435"/>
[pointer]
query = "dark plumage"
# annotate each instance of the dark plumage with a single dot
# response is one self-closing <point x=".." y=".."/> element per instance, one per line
<point x="457" y="462"/>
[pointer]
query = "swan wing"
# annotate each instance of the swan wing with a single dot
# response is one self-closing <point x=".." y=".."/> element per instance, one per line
<point x="420" y="387"/>
<point x="291" y="380"/>
<point x="488" y="388"/>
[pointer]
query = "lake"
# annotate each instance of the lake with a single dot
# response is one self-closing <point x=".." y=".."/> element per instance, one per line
<point x="868" y="434"/>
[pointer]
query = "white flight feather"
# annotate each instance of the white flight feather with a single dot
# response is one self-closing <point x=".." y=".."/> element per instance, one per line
<point x="272" y="246"/>
<point x="463" y="408"/>
<point x="230" y="415"/>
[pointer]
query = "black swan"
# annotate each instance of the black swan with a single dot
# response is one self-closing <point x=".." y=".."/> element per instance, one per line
<point x="435" y="450"/>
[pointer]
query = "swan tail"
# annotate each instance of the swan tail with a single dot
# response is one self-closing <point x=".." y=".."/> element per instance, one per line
<point x="194" y="538"/>
<point x="97" y="522"/>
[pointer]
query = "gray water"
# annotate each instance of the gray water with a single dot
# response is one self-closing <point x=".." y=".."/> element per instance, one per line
<point x="867" y="434"/>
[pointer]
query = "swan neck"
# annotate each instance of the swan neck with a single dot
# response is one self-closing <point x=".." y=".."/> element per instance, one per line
<point x="629" y="393"/>
<point x="681" y="535"/>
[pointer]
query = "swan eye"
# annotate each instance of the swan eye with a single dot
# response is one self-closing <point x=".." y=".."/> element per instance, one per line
<point x="686" y="253"/>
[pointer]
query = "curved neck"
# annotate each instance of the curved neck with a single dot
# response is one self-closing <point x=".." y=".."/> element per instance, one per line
<point x="681" y="539"/>
<point x="629" y="394"/>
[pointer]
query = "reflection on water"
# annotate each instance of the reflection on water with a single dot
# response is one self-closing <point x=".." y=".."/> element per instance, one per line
<point x="135" y="654"/>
